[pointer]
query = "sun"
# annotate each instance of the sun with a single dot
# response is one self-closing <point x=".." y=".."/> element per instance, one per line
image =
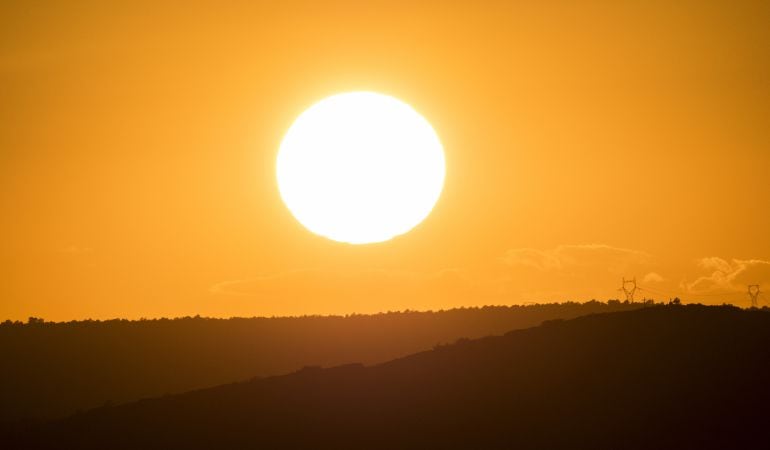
<point x="360" y="167"/>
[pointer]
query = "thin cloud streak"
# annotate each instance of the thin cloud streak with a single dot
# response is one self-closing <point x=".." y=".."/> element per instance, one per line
<point x="614" y="259"/>
<point x="733" y="275"/>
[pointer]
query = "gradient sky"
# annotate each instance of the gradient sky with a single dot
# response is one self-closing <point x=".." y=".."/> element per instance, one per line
<point x="585" y="141"/>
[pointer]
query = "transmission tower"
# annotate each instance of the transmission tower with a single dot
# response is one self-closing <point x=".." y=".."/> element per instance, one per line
<point x="629" y="288"/>
<point x="754" y="294"/>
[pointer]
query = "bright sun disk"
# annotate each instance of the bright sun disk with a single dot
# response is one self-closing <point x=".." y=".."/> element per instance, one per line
<point x="360" y="167"/>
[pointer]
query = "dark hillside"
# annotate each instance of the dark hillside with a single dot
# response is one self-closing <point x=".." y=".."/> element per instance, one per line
<point x="51" y="370"/>
<point x="662" y="377"/>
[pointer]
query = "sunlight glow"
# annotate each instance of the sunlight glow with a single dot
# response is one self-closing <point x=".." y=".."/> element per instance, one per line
<point x="360" y="167"/>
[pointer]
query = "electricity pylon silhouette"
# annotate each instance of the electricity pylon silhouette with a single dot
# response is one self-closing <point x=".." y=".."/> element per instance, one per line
<point x="754" y="292"/>
<point x="629" y="288"/>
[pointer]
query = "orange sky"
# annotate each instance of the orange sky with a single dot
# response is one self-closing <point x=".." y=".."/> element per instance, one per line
<point x="585" y="141"/>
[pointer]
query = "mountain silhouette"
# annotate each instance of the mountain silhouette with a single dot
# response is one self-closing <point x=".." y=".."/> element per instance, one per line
<point x="660" y="377"/>
<point x="51" y="370"/>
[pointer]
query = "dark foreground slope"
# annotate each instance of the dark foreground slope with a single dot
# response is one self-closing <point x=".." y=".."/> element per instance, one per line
<point x="50" y="370"/>
<point x="662" y="377"/>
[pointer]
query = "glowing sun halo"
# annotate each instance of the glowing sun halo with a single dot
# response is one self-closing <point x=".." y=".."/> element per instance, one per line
<point x="360" y="167"/>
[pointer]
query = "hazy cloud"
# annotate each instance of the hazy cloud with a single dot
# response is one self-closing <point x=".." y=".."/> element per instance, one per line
<point x="321" y="279"/>
<point x="571" y="272"/>
<point x="653" y="277"/>
<point x="329" y="291"/>
<point x="75" y="250"/>
<point x="614" y="259"/>
<point x="733" y="275"/>
<point x="566" y="272"/>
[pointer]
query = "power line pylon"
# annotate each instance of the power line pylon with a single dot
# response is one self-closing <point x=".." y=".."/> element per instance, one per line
<point x="754" y="292"/>
<point x="629" y="288"/>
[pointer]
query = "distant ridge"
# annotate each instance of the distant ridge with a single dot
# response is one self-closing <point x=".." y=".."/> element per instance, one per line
<point x="661" y="377"/>
<point x="50" y="370"/>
